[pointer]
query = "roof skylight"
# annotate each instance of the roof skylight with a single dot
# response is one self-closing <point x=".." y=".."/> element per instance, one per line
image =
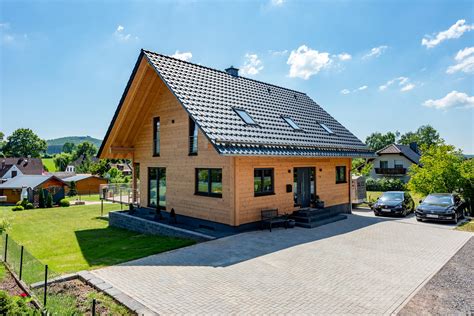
<point x="291" y="122"/>
<point x="245" y="117"/>
<point x="327" y="129"/>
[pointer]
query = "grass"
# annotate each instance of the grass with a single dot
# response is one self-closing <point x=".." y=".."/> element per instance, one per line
<point x="467" y="226"/>
<point x="374" y="195"/>
<point x="75" y="238"/>
<point x="2" y="272"/>
<point x="87" y="197"/>
<point x="49" y="163"/>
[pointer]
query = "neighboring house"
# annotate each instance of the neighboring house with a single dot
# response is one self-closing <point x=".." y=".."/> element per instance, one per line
<point x="12" y="167"/>
<point x="13" y="187"/>
<point x="218" y="147"/>
<point x="394" y="161"/>
<point x="86" y="183"/>
<point x="62" y="174"/>
<point x="70" y="168"/>
<point x="123" y="167"/>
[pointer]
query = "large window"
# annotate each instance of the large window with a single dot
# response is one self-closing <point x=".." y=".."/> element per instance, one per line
<point x="263" y="181"/>
<point x="157" y="187"/>
<point x="193" y="138"/>
<point x="245" y="117"/>
<point x="209" y="182"/>
<point x="398" y="164"/>
<point x="341" y="174"/>
<point x="383" y="164"/>
<point x="156" y="136"/>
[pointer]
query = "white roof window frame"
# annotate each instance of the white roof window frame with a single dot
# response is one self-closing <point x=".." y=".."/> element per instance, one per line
<point x="326" y="128"/>
<point x="291" y="123"/>
<point x="245" y="116"/>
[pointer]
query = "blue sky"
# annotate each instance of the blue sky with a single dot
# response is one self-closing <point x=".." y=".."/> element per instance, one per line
<point x="373" y="65"/>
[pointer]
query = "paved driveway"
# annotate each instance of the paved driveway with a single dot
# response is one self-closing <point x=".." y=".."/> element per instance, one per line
<point x="360" y="265"/>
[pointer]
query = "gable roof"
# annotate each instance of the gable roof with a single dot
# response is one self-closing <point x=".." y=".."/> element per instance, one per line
<point x="210" y="97"/>
<point x="79" y="177"/>
<point x="401" y="150"/>
<point x="29" y="181"/>
<point x="27" y="166"/>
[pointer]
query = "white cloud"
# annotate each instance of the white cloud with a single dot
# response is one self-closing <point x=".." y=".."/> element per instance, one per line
<point x="344" y="56"/>
<point x="345" y="91"/>
<point x="362" y="88"/>
<point x="376" y="52"/>
<point x="455" y="31"/>
<point x="186" y="56"/>
<point x="407" y="87"/>
<point x="453" y="99"/>
<point x="305" y="62"/>
<point x="277" y="3"/>
<point x="252" y="65"/>
<point x="278" y="52"/>
<point x="121" y="35"/>
<point x="465" y="61"/>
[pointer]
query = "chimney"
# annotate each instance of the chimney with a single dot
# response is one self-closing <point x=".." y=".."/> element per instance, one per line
<point x="234" y="72"/>
<point x="414" y="147"/>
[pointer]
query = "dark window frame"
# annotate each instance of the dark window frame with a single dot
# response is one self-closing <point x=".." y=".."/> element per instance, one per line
<point x="158" y="187"/>
<point x="337" y="174"/>
<point x="252" y="121"/>
<point x="209" y="192"/>
<point x="14" y="173"/>
<point x="192" y="127"/>
<point x="156" y="149"/>
<point x="262" y="176"/>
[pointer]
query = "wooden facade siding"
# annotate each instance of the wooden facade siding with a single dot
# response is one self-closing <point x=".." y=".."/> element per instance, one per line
<point x="89" y="185"/>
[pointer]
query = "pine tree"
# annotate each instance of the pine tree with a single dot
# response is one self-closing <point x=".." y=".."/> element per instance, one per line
<point x="49" y="200"/>
<point x="42" y="202"/>
<point x="72" y="189"/>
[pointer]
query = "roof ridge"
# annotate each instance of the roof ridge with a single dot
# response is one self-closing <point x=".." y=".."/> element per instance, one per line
<point x="380" y="150"/>
<point x="218" y="70"/>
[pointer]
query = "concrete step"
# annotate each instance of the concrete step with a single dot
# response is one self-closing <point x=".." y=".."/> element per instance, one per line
<point x="313" y="218"/>
<point x="322" y="222"/>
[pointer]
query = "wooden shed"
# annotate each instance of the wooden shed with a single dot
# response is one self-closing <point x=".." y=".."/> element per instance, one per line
<point x="86" y="183"/>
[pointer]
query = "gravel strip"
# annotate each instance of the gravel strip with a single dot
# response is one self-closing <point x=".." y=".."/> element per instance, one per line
<point x="450" y="291"/>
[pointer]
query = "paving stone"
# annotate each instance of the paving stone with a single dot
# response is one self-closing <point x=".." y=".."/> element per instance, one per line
<point x="340" y="268"/>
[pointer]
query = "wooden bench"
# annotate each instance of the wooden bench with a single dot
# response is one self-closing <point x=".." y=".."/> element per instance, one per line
<point x="270" y="217"/>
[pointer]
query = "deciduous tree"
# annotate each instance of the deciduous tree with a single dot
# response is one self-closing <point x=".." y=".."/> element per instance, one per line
<point x="377" y="141"/>
<point x="24" y="143"/>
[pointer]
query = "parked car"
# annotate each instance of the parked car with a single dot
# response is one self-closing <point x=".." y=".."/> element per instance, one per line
<point x="394" y="203"/>
<point x="441" y="207"/>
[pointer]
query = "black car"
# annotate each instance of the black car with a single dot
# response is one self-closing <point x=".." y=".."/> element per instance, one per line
<point x="394" y="203"/>
<point x="441" y="207"/>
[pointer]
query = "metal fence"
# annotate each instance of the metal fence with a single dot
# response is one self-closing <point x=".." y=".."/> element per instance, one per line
<point x="122" y="193"/>
<point x="34" y="275"/>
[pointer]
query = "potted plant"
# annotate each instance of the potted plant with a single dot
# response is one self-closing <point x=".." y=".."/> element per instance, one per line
<point x="318" y="203"/>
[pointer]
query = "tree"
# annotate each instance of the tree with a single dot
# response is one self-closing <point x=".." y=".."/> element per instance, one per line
<point x="467" y="183"/>
<point x="68" y="147"/>
<point x="2" y="144"/>
<point x="24" y="143"/>
<point x="85" y="150"/>
<point x="377" y="141"/>
<point x="72" y="189"/>
<point x="100" y="167"/>
<point x="42" y="201"/>
<point x="425" y="136"/>
<point x="62" y="160"/>
<point x="361" y="167"/>
<point x="49" y="200"/>
<point x="440" y="171"/>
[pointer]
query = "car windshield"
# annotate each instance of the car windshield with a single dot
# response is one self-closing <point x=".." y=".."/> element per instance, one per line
<point x="438" y="199"/>
<point x="391" y="196"/>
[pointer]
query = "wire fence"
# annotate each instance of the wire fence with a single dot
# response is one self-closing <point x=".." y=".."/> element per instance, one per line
<point x="37" y="277"/>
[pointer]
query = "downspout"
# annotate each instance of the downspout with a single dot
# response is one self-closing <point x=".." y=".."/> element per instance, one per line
<point x="235" y="190"/>
<point x="350" y="186"/>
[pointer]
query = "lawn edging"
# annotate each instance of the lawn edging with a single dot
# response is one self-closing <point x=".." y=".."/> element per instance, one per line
<point x="121" y="219"/>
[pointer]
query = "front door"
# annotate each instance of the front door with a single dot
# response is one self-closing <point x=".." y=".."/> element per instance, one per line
<point x="302" y="186"/>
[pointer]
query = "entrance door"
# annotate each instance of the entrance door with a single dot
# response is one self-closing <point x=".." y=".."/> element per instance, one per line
<point x="157" y="187"/>
<point x="302" y="186"/>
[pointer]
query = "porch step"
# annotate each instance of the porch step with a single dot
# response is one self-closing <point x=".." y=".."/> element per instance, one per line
<point x="331" y="219"/>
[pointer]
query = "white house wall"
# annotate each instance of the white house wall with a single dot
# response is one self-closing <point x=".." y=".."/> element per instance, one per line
<point x="391" y="164"/>
<point x="8" y="175"/>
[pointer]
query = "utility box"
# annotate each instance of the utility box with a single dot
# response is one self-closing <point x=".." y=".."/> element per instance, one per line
<point x="358" y="191"/>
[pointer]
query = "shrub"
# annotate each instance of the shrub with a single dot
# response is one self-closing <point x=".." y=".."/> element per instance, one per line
<point x="18" y="208"/>
<point x="42" y="201"/>
<point x="19" y="203"/>
<point x="29" y="206"/>
<point x="64" y="203"/>
<point x="4" y="225"/>
<point x="49" y="200"/>
<point x="384" y="184"/>
<point x="72" y="189"/>
<point x="15" y="305"/>
<point x="23" y="203"/>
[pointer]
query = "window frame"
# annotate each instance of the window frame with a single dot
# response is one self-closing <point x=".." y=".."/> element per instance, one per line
<point x="326" y="128"/>
<point x="159" y="172"/>
<point x="238" y="112"/>
<point x="291" y="123"/>
<point x="262" y="176"/>
<point x="192" y="124"/>
<point x="209" y="192"/>
<point x="338" y="181"/>
<point x="380" y="164"/>
<point x="400" y="166"/>
<point x="155" y="139"/>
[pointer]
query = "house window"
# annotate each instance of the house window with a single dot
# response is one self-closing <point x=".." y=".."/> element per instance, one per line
<point x="398" y="164"/>
<point x="14" y="173"/>
<point x="341" y="174"/>
<point x="291" y="123"/>
<point x="209" y="182"/>
<point x="263" y="181"/>
<point x="156" y="136"/>
<point x="193" y="138"/>
<point x="245" y="117"/>
<point x="383" y="164"/>
<point x="157" y="187"/>
<point x="327" y="129"/>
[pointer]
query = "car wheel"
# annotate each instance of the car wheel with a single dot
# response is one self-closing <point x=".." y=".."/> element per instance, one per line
<point x="419" y="219"/>
<point x="456" y="219"/>
<point x="376" y="214"/>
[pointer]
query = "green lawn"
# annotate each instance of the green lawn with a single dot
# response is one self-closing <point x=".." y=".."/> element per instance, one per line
<point x="75" y="238"/>
<point x="49" y="163"/>
<point x="467" y="226"/>
<point x="87" y="197"/>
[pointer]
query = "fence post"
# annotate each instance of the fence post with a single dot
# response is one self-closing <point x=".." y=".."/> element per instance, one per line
<point x="93" y="307"/>
<point x="6" y="247"/>
<point x="21" y="261"/>
<point x="102" y="208"/>
<point x="45" y="284"/>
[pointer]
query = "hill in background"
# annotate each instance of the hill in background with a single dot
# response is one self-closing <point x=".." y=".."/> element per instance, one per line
<point x="55" y="145"/>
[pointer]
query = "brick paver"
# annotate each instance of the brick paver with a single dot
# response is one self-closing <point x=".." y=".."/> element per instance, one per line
<point x="361" y="265"/>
